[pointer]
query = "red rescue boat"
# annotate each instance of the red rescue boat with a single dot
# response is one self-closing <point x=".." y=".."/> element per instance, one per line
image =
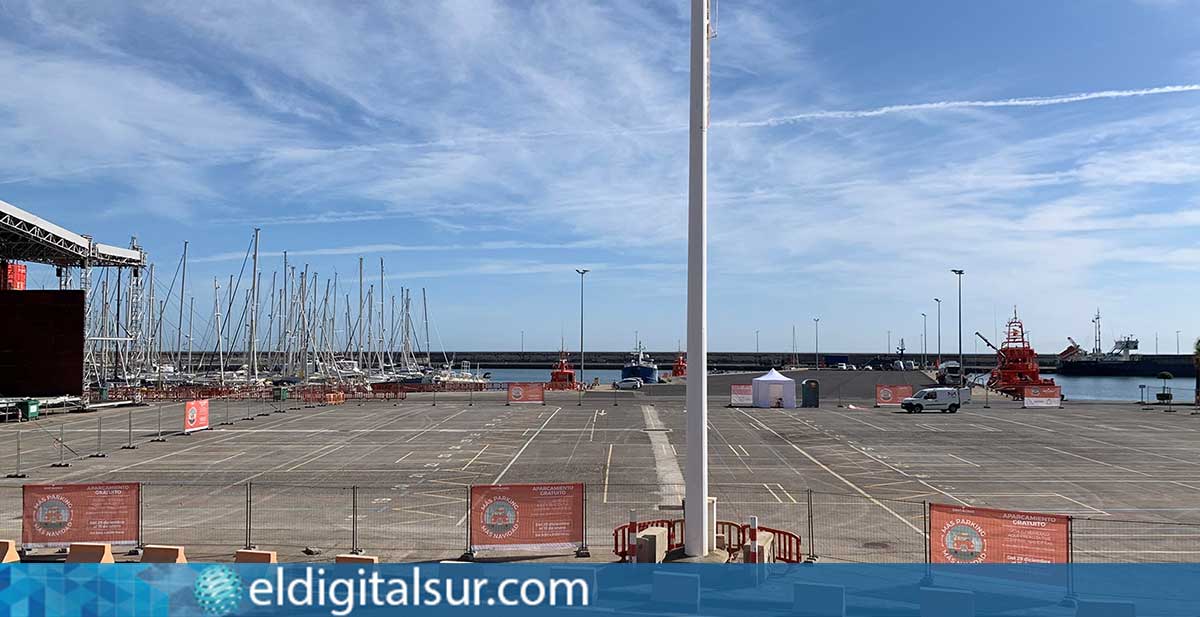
<point x="1016" y="362"/>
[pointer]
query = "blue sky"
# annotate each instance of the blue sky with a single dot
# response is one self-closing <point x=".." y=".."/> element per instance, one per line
<point x="486" y="149"/>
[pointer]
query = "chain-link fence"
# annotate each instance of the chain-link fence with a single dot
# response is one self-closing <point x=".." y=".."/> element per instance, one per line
<point x="1097" y="540"/>
<point x="428" y="521"/>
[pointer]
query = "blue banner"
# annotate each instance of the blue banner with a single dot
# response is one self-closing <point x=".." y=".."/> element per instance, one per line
<point x="218" y="590"/>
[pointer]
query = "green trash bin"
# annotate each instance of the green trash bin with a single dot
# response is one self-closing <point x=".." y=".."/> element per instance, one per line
<point x="281" y="393"/>
<point x="28" y="409"/>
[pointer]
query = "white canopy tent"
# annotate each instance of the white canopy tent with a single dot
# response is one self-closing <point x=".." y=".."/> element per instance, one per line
<point x="774" y="390"/>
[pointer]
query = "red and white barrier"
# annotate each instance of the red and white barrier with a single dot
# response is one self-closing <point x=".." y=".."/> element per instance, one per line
<point x="633" y="532"/>
<point x="753" y="556"/>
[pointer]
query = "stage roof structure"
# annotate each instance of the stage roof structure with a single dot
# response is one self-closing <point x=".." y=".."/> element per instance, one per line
<point x="25" y="236"/>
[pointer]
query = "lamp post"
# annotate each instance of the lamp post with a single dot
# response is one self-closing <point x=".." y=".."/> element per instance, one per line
<point x="817" y="342"/>
<point x="924" y="341"/>
<point x="962" y="367"/>
<point x="756" y="344"/>
<point x="939" y="331"/>
<point x="696" y="512"/>
<point x="522" y="341"/>
<point x="582" y="376"/>
<point x="1177" y="341"/>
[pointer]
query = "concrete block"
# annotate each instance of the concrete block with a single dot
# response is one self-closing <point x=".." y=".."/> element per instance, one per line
<point x="252" y="556"/>
<point x="652" y="545"/>
<point x="352" y="558"/>
<point x="818" y="600"/>
<point x="572" y="573"/>
<point x="8" y="552"/>
<point x="90" y="552"/>
<point x="937" y="602"/>
<point x="160" y="553"/>
<point x="766" y="548"/>
<point x="679" y="591"/>
<point x="1097" y="608"/>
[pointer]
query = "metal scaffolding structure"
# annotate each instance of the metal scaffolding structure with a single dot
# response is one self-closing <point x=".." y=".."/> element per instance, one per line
<point x="27" y="237"/>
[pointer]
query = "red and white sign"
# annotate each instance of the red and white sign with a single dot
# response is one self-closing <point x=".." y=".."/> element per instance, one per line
<point x="13" y="277"/>
<point x="526" y="393"/>
<point x="960" y="534"/>
<point x="59" y="514"/>
<point x="526" y="517"/>
<point x="891" y="395"/>
<point x="741" y="395"/>
<point x="1042" y="396"/>
<point x="195" y="416"/>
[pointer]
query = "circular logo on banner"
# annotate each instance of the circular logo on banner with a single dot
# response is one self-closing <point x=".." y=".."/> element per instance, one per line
<point x="517" y="393"/>
<point x="962" y="541"/>
<point x="500" y="517"/>
<point x="52" y="515"/>
<point x="885" y="394"/>
<point x="218" y="590"/>
<point x="191" y="415"/>
<point x="1035" y="391"/>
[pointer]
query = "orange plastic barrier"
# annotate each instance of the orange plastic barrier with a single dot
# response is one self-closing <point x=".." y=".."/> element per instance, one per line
<point x="159" y="553"/>
<point x="8" y="552"/>
<point x="90" y="552"/>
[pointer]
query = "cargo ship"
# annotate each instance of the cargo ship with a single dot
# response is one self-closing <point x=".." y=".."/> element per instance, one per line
<point x="1123" y="360"/>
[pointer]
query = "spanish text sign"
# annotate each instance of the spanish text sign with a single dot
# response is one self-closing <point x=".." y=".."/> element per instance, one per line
<point x="526" y="393"/>
<point x="891" y="395"/>
<point x="59" y="514"/>
<point x="195" y="416"/>
<point x="960" y="534"/>
<point x="525" y="517"/>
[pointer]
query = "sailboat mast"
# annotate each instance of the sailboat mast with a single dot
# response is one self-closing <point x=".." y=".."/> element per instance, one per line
<point x="425" y="310"/>
<point x="182" y="287"/>
<point x="358" y="329"/>
<point x="252" y="348"/>
<point x="220" y="347"/>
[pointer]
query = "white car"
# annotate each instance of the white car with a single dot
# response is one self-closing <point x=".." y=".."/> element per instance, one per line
<point x="629" y="383"/>
<point x="946" y="400"/>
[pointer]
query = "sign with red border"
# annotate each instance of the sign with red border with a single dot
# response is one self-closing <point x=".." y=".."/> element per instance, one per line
<point x="891" y="395"/>
<point x="526" y="517"/>
<point x="961" y="534"/>
<point x="526" y="393"/>
<point x="59" y="514"/>
<point x="195" y="416"/>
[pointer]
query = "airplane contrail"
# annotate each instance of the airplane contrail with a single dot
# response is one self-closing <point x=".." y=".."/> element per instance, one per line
<point x="943" y="105"/>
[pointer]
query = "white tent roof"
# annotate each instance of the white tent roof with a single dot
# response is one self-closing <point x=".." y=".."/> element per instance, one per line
<point x="774" y="375"/>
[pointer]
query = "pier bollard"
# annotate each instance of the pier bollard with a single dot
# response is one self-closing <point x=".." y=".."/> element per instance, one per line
<point x="159" y="438"/>
<point x="99" y="453"/>
<point x="62" y="447"/>
<point x="434" y="397"/>
<point x="129" y="443"/>
<point x="18" y="473"/>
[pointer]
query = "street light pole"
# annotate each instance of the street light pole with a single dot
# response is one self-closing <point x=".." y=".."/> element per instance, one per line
<point x="939" y="329"/>
<point x="924" y="341"/>
<point x="756" y="344"/>
<point x="522" y="341"/>
<point x="817" y="342"/>
<point x="582" y="376"/>
<point x="696" y="512"/>
<point x="962" y="367"/>
<point x="1177" y="341"/>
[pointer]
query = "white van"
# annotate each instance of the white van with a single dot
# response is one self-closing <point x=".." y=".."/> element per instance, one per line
<point x="945" y="400"/>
